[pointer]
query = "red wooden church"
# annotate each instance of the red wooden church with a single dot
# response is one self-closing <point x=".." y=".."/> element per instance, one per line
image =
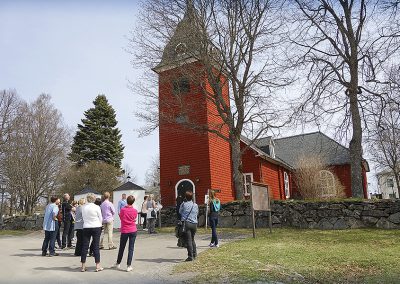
<point x="198" y="161"/>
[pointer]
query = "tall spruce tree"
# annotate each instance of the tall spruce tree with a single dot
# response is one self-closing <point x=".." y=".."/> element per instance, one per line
<point x="98" y="138"/>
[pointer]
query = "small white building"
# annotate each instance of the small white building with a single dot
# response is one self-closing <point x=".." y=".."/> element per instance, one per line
<point x="387" y="185"/>
<point x="128" y="188"/>
<point x="85" y="192"/>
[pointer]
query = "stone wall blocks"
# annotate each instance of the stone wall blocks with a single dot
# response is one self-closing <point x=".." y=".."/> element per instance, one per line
<point x="383" y="223"/>
<point x="337" y="206"/>
<point x="324" y="224"/>
<point x="371" y="221"/>
<point x="374" y="213"/>
<point x="395" y="218"/>
<point x="340" y="224"/>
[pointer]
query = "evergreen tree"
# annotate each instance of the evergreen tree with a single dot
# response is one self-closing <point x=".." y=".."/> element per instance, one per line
<point x="98" y="138"/>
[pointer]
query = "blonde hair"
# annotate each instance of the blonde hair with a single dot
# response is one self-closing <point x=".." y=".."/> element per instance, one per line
<point x="151" y="196"/>
<point x="82" y="201"/>
<point x="106" y="195"/>
<point x="212" y="194"/>
<point x="91" y="198"/>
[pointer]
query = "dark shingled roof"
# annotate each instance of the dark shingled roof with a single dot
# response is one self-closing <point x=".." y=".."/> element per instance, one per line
<point x="290" y="149"/>
<point x="187" y="37"/>
<point x="87" y="190"/>
<point x="129" y="186"/>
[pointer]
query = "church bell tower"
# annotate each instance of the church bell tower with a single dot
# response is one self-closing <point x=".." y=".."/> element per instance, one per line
<point x="191" y="158"/>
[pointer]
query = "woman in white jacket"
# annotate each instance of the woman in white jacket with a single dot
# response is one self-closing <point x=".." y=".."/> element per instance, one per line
<point x="92" y="223"/>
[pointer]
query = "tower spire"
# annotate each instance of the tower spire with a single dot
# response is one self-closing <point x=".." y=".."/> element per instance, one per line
<point x="190" y="10"/>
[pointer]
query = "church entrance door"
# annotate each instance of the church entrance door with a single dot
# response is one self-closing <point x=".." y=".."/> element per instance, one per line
<point x="184" y="185"/>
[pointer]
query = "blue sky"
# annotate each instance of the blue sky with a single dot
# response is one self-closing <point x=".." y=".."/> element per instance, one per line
<point x="74" y="50"/>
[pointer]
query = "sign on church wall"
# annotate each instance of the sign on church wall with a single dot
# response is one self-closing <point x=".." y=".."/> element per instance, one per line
<point x="184" y="170"/>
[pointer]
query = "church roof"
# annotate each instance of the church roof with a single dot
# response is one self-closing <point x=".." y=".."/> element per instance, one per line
<point x="291" y="148"/>
<point x="87" y="190"/>
<point x="186" y="42"/>
<point x="129" y="186"/>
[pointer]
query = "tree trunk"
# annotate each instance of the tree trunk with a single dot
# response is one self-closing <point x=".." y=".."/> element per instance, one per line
<point x="237" y="168"/>
<point x="27" y="207"/>
<point x="356" y="147"/>
<point x="397" y="179"/>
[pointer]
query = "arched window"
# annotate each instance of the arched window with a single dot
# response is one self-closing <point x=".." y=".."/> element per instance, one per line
<point x="326" y="183"/>
<point x="286" y="180"/>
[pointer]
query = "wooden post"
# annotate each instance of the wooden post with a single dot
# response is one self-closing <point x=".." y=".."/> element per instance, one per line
<point x="253" y="217"/>
<point x="270" y="221"/>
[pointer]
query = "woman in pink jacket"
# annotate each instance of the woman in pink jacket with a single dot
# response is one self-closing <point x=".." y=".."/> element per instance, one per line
<point x="128" y="216"/>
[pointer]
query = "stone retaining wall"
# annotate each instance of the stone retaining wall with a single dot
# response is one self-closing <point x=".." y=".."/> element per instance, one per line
<point x="34" y="222"/>
<point x="384" y="214"/>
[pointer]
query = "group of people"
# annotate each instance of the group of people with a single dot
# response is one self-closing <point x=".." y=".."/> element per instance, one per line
<point x="90" y="216"/>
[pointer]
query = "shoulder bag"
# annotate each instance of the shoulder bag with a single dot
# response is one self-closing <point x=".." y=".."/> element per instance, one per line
<point x="182" y="224"/>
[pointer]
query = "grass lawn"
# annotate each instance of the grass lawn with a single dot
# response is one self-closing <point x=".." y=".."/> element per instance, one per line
<point x="303" y="256"/>
<point x="14" y="232"/>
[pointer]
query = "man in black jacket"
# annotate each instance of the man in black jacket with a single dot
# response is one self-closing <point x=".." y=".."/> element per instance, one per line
<point x="68" y="232"/>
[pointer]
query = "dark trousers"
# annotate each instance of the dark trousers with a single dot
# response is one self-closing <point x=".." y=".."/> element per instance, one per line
<point x="123" y="239"/>
<point x="93" y="233"/>
<point x="144" y="223"/>
<point x="79" y="239"/>
<point x="49" y="241"/>
<point x="68" y="233"/>
<point x="58" y="235"/>
<point x="151" y="222"/>
<point x="213" y="225"/>
<point x="191" y="244"/>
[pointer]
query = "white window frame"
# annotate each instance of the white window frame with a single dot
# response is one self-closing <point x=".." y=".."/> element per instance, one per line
<point x="326" y="183"/>
<point x="286" y="183"/>
<point x="245" y="191"/>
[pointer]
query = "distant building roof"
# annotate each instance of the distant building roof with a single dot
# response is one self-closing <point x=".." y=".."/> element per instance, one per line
<point x="129" y="186"/>
<point x="87" y="190"/>
<point x="290" y="149"/>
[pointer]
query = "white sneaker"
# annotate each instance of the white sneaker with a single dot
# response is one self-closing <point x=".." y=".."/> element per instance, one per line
<point x="129" y="268"/>
<point x="117" y="266"/>
<point x="216" y="246"/>
<point x="211" y="245"/>
<point x="145" y="229"/>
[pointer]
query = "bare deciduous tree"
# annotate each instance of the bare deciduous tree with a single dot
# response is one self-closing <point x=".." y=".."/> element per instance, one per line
<point x="343" y="45"/>
<point x="36" y="151"/>
<point x="9" y="102"/>
<point x="152" y="182"/>
<point x="235" y="45"/>
<point x="385" y="135"/>
<point x="127" y="174"/>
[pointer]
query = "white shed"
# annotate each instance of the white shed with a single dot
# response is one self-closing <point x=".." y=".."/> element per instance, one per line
<point x="85" y="192"/>
<point x="128" y="188"/>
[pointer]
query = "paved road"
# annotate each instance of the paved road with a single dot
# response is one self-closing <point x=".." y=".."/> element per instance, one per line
<point x="155" y="255"/>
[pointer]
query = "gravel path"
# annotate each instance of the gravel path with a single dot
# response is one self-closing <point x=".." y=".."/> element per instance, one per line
<point x="155" y="256"/>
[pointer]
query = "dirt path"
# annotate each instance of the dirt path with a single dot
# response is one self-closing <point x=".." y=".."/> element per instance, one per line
<point x="155" y="256"/>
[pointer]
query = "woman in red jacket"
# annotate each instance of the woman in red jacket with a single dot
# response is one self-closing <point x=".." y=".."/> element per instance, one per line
<point x="128" y="216"/>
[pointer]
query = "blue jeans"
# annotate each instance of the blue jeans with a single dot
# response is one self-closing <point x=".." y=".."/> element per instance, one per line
<point x="123" y="239"/>
<point x="213" y="225"/>
<point x="49" y="241"/>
